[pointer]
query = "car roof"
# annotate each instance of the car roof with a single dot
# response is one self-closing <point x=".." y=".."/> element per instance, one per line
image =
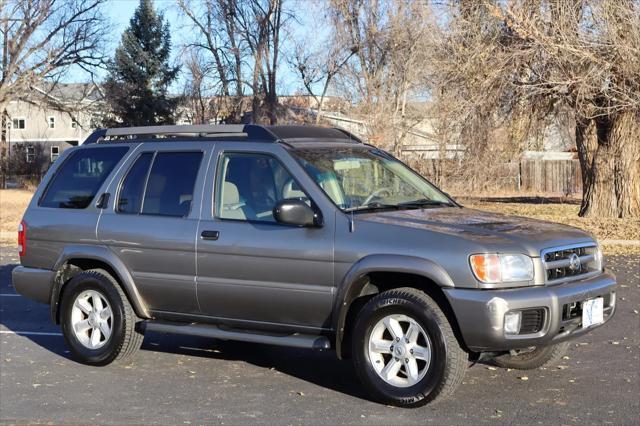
<point x="285" y="134"/>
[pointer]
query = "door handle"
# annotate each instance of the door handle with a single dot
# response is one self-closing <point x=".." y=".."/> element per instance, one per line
<point x="209" y="235"/>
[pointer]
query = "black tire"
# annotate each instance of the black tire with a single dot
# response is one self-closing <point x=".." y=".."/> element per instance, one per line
<point x="448" y="360"/>
<point x="124" y="340"/>
<point x="545" y="356"/>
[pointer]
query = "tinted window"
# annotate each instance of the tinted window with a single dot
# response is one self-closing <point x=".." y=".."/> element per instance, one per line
<point x="250" y="185"/>
<point x="130" y="198"/>
<point x="76" y="182"/>
<point x="169" y="190"/>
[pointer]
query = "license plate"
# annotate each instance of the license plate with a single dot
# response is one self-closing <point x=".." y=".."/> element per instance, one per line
<point x="592" y="312"/>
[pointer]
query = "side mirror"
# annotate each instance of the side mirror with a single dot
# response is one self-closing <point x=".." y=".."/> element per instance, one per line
<point x="295" y="212"/>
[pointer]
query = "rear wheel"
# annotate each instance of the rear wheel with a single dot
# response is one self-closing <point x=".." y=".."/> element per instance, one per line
<point x="404" y="349"/>
<point x="544" y="356"/>
<point x="98" y="323"/>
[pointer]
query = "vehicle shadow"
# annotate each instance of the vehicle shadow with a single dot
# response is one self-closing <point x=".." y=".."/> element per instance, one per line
<point x="321" y="368"/>
<point x="26" y="318"/>
<point x="32" y="321"/>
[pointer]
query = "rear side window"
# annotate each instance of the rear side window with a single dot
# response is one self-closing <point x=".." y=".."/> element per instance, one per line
<point x="166" y="189"/>
<point x="77" y="181"/>
<point x="130" y="199"/>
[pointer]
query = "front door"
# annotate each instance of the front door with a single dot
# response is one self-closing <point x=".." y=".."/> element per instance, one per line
<point x="152" y="221"/>
<point x="251" y="269"/>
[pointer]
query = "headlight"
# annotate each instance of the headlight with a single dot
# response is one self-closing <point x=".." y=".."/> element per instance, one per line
<point x="501" y="268"/>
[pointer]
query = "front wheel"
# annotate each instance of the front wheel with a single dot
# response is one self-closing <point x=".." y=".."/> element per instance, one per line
<point x="405" y="351"/>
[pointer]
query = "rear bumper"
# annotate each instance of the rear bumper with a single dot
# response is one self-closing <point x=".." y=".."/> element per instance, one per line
<point x="33" y="283"/>
<point x="480" y="313"/>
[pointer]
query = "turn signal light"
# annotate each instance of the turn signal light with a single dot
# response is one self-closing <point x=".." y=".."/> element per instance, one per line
<point x="486" y="267"/>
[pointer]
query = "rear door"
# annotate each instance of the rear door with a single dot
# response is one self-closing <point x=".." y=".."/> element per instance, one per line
<point x="152" y="219"/>
<point x="63" y="209"/>
<point x="253" y="271"/>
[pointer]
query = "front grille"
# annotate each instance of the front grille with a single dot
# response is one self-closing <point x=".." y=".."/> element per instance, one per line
<point x="532" y="321"/>
<point x="566" y="263"/>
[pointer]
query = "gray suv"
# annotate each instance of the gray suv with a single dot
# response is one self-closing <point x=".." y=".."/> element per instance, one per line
<point x="304" y="237"/>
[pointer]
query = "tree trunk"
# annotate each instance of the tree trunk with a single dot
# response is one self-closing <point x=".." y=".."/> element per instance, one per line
<point x="609" y="153"/>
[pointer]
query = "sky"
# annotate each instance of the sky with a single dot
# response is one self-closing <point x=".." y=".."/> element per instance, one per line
<point x="119" y="12"/>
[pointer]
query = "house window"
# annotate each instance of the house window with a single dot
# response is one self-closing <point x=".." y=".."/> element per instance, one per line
<point x="52" y="122"/>
<point x="31" y="154"/>
<point x="55" y="153"/>
<point x="19" y="123"/>
<point x="74" y="123"/>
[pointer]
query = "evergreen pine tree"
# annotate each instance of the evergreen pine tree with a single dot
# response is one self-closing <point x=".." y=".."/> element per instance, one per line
<point x="140" y="74"/>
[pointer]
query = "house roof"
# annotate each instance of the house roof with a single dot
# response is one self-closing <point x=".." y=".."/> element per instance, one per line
<point x="70" y="92"/>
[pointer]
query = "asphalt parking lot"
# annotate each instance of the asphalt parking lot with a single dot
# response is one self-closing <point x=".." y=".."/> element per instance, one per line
<point x="184" y="380"/>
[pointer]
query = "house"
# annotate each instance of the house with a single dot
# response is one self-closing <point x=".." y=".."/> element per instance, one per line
<point x="55" y="117"/>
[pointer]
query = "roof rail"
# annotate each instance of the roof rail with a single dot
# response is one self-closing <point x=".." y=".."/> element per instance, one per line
<point x="190" y="130"/>
<point x="249" y="131"/>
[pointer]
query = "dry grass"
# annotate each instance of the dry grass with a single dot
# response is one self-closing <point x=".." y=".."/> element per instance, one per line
<point x="567" y="213"/>
<point x="14" y="201"/>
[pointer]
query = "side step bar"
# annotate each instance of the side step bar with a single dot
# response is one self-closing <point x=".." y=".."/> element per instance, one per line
<point x="295" y="340"/>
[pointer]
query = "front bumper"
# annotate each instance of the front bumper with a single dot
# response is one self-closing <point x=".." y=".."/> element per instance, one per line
<point x="32" y="283"/>
<point x="480" y="313"/>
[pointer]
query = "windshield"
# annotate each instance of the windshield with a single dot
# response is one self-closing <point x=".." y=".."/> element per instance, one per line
<point x="359" y="179"/>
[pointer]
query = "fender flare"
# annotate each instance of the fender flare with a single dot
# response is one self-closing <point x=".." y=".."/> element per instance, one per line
<point x="102" y="254"/>
<point x="352" y="284"/>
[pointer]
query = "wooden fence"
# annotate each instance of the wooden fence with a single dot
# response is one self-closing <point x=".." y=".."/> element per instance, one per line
<point x="530" y="175"/>
<point x="556" y="176"/>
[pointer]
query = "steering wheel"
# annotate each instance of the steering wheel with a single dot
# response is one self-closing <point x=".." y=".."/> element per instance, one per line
<point x="377" y="193"/>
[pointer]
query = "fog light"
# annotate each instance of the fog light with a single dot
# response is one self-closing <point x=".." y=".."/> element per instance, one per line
<point x="512" y="322"/>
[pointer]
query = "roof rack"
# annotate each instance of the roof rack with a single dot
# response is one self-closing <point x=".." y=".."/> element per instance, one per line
<point x="251" y="132"/>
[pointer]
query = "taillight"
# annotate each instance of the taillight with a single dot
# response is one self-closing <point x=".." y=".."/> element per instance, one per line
<point x="22" y="238"/>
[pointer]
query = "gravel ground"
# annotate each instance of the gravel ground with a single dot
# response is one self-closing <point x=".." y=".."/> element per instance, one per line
<point x="184" y="380"/>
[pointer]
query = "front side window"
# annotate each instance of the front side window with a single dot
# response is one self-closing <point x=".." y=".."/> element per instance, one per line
<point x="78" y="179"/>
<point x="160" y="184"/>
<point x="250" y="185"/>
<point x="359" y="179"/>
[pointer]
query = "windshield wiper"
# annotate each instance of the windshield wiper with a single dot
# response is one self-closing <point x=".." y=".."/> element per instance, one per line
<point x="424" y="202"/>
<point x="371" y="207"/>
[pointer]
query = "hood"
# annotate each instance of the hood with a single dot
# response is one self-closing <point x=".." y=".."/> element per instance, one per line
<point x="492" y="229"/>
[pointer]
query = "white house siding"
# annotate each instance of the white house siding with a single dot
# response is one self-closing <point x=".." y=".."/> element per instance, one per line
<point x="37" y="130"/>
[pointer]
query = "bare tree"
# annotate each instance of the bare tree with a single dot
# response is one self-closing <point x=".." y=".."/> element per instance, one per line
<point x="319" y="66"/>
<point x="387" y="39"/>
<point x="196" y="89"/>
<point x="260" y="23"/>
<point x="517" y="63"/>
<point x="41" y="39"/>
<point x="218" y="42"/>
<point x="243" y="40"/>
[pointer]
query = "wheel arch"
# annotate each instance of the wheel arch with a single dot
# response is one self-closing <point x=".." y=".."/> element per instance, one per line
<point x="377" y="273"/>
<point x="78" y="258"/>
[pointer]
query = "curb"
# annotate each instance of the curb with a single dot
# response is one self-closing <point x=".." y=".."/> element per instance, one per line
<point x="628" y="243"/>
